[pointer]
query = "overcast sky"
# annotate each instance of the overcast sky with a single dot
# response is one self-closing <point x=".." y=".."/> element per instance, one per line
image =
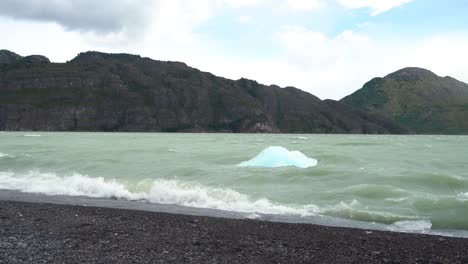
<point x="327" y="47"/>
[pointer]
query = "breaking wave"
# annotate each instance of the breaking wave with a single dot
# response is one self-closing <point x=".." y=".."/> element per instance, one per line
<point x="411" y="226"/>
<point x="156" y="191"/>
<point x="176" y="192"/>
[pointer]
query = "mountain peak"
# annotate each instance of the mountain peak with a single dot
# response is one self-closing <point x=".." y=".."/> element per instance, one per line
<point x="411" y="74"/>
<point x="418" y="99"/>
<point x="8" y="57"/>
<point x="93" y="56"/>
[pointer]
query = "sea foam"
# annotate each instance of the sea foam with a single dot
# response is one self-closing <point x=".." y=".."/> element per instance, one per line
<point x="3" y="155"/>
<point x="463" y="196"/>
<point x="160" y="191"/>
<point x="274" y="157"/>
<point x="408" y="225"/>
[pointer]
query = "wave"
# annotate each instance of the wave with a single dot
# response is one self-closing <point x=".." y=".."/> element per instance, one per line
<point x="357" y="211"/>
<point x="301" y="137"/>
<point x="74" y="185"/>
<point x="160" y="191"/>
<point x="274" y="157"/>
<point x="190" y="194"/>
<point x="375" y="191"/>
<point x="3" y="155"/>
<point x="411" y="226"/>
<point x="32" y="135"/>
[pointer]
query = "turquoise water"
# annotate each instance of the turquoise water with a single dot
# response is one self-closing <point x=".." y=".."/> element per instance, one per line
<point x="412" y="182"/>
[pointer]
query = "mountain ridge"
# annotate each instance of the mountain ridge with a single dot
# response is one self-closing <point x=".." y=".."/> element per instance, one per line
<point x="98" y="91"/>
<point x="418" y="99"/>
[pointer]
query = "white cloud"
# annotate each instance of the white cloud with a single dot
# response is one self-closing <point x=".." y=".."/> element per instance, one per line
<point x="329" y="66"/>
<point x="49" y="39"/>
<point x="244" y="19"/>
<point x="306" y="5"/>
<point x="240" y="3"/>
<point x="332" y="67"/>
<point x="83" y="15"/>
<point x="377" y="6"/>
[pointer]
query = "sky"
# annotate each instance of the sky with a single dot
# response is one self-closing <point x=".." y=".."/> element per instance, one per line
<point x="329" y="48"/>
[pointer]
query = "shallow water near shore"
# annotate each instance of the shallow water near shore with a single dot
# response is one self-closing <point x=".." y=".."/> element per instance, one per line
<point x="405" y="183"/>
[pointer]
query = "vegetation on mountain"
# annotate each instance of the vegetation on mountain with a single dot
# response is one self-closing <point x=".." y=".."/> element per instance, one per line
<point x="417" y="99"/>
<point x="121" y="92"/>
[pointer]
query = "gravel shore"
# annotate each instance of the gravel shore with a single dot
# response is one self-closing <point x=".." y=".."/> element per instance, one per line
<point x="51" y="233"/>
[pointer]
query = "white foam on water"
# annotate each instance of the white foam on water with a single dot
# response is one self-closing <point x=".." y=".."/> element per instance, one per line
<point x="463" y="196"/>
<point x="3" y="155"/>
<point x="275" y="156"/>
<point x="408" y="225"/>
<point x="252" y="216"/>
<point x="74" y="185"/>
<point x="397" y="200"/>
<point x="32" y="135"/>
<point x="196" y="195"/>
<point x="161" y="191"/>
<point x="343" y="206"/>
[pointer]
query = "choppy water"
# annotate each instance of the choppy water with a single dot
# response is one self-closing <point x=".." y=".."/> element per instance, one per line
<point x="406" y="182"/>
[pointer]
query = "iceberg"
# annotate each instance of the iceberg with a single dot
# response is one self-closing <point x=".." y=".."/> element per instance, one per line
<point x="275" y="156"/>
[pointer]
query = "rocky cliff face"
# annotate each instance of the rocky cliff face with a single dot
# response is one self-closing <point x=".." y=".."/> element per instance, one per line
<point x="418" y="99"/>
<point x="120" y="92"/>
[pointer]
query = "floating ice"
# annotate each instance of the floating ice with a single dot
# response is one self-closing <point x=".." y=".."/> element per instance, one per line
<point x="273" y="157"/>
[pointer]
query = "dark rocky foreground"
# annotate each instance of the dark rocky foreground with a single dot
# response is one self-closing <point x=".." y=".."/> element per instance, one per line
<point x="46" y="233"/>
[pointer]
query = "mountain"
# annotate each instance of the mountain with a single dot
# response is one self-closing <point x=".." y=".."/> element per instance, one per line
<point x="121" y="92"/>
<point x="417" y="99"/>
<point x="7" y="58"/>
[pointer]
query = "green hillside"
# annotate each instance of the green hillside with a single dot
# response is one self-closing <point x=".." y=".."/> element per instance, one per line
<point x="121" y="92"/>
<point x="417" y="99"/>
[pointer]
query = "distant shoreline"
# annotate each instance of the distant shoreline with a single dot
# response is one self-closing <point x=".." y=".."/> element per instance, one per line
<point x="36" y="232"/>
<point x="227" y="133"/>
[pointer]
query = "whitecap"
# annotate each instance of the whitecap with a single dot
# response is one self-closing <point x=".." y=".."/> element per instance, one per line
<point x="197" y="195"/>
<point x="3" y="155"/>
<point x="32" y="135"/>
<point x="274" y="157"/>
<point x="73" y="185"/>
<point x="463" y="196"/>
<point x="397" y="200"/>
<point x="414" y="226"/>
<point x="252" y="216"/>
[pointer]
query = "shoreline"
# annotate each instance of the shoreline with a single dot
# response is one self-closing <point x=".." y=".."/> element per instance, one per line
<point x="63" y="233"/>
<point x="136" y="205"/>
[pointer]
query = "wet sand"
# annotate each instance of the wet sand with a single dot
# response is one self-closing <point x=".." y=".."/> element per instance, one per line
<point x="51" y="233"/>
